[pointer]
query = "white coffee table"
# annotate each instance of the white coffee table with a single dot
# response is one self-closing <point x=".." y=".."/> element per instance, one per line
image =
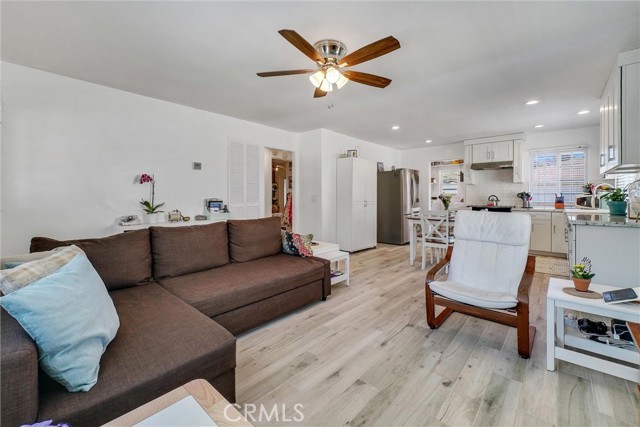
<point x="332" y="253"/>
<point x="217" y="408"/>
<point x="558" y="336"/>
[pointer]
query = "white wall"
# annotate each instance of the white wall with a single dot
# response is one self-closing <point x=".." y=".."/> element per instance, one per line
<point x="334" y="144"/>
<point x="308" y="195"/>
<point x="71" y="151"/>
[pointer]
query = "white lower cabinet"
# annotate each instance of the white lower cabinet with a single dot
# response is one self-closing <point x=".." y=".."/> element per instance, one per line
<point x="549" y="232"/>
<point x="559" y="233"/>
<point x="540" y="231"/>
<point x="614" y="253"/>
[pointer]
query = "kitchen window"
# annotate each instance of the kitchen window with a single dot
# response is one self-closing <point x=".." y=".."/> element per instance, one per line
<point x="557" y="171"/>
<point x="624" y="179"/>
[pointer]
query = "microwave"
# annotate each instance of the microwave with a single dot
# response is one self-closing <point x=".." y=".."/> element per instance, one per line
<point x="585" y="201"/>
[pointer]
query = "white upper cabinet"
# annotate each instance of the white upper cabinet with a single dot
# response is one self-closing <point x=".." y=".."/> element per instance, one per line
<point x="468" y="159"/>
<point x="496" y="152"/>
<point x="619" y="117"/>
<point x="500" y="151"/>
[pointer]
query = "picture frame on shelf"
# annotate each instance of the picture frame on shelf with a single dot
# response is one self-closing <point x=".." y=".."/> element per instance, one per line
<point x="352" y="153"/>
<point x="380" y="167"/>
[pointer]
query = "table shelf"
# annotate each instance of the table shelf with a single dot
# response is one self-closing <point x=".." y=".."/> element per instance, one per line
<point x="559" y="336"/>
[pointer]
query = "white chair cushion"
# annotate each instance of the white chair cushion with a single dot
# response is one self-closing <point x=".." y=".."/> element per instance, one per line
<point x="490" y="253"/>
<point x="506" y="228"/>
<point x="473" y="296"/>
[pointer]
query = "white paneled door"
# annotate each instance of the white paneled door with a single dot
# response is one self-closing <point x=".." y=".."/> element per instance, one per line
<point x="244" y="180"/>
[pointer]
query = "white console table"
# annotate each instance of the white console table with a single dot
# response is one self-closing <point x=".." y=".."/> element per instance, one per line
<point x="558" y="336"/>
<point x="332" y="252"/>
<point x="212" y="218"/>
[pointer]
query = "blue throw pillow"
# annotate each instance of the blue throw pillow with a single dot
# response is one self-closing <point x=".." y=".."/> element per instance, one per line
<point x="71" y="318"/>
<point x="12" y="264"/>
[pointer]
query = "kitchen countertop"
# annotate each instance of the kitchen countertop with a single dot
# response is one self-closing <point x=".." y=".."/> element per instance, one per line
<point x="602" y="220"/>
<point x="568" y="210"/>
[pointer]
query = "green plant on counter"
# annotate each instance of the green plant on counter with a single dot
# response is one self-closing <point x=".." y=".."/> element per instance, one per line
<point x="582" y="270"/>
<point x="617" y="195"/>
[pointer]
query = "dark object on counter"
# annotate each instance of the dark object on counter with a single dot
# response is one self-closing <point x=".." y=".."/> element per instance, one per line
<point x="491" y="208"/>
<point x="559" y="204"/>
<point x="526" y="199"/>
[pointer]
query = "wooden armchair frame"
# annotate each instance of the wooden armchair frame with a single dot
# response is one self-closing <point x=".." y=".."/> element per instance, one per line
<point x="526" y="333"/>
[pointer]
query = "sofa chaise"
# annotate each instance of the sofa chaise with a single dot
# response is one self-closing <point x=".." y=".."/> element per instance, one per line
<point x="181" y="294"/>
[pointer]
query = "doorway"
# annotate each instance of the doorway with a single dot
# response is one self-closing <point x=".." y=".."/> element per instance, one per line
<point x="281" y="189"/>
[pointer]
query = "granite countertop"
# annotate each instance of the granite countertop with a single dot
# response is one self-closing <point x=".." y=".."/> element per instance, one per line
<point x="602" y="220"/>
<point x="568" y="210"/>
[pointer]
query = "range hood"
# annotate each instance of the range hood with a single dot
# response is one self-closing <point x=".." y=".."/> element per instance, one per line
<point x="492" y="165"/>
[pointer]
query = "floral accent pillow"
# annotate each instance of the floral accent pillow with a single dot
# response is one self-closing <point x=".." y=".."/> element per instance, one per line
<point x="296" y="244"/>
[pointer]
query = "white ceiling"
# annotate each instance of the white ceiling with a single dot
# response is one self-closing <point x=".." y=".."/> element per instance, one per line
<point x="465" y="69"/>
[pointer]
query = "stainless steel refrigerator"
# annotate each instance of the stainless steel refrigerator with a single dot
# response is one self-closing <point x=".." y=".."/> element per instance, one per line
<point x="398" y="192"/>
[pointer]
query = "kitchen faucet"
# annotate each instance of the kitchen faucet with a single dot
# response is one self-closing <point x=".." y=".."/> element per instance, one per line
<point x="494" y="199"/>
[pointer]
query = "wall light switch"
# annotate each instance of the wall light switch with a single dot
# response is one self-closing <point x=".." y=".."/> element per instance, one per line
<point x="197" y="166"/>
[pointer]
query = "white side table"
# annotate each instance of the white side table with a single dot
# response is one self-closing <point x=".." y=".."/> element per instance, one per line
<point x="558" y="336"/>
<point x="332" y="253"/>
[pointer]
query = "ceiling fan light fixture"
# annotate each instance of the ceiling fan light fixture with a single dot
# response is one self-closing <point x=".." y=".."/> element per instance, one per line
<point x="317" y="78"/>
<point x="326" y="86"/>
<point x="332" y="74"/>
<point x="341" y="81"/>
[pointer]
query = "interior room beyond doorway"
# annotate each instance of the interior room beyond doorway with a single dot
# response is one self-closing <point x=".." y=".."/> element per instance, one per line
<point x="282" y="187"/>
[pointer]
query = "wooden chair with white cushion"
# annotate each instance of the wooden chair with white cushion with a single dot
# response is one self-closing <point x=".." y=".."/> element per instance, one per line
<point x="490" y="273"/>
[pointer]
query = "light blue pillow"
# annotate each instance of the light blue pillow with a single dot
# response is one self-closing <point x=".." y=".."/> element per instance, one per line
<point x="71" y="318"/>
<point x="12" y="264"/>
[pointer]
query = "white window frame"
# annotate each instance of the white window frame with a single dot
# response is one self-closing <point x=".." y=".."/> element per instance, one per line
<point x="569" y="199"/>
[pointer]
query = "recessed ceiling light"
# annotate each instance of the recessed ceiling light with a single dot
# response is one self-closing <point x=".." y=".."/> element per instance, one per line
<point x="396" y="127"/>
<point x="538" y="126"/>
<point x="428" y="141"/>
<point x="532" y="102"/>
<point x="584" y="112"/>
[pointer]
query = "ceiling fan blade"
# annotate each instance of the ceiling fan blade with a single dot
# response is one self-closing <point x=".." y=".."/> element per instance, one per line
<point x="284" y="73"/>
<point x="371" y="51"/>
<point x="319" y="93"/>
<point x="367" y="79"/>
<point x="302" y="45"/>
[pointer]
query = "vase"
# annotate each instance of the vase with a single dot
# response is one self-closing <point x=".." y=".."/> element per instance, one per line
<point x="581" y="285"/>
<point x="152" y="218"/>
<point x="617" y="208"/>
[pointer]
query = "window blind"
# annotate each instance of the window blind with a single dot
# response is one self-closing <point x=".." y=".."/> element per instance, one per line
<point x="557" y="171"/>
<point x="624" y="179"/>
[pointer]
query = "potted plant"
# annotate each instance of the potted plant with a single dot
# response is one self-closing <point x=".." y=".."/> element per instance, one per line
<point x="149" y="206"/>
<point x="581" y="275"/>
<point x="445" y="198"/>
<point x="616" y="201"/>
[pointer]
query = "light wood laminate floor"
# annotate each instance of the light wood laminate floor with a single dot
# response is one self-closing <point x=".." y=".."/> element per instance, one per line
<point x="367" y="357"/>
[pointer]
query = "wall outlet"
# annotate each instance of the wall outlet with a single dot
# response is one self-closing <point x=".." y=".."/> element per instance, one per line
<point x="197" y="166"/>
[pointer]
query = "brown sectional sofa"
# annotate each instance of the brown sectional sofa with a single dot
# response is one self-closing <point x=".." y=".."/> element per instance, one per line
<point x="180" y="293"/>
